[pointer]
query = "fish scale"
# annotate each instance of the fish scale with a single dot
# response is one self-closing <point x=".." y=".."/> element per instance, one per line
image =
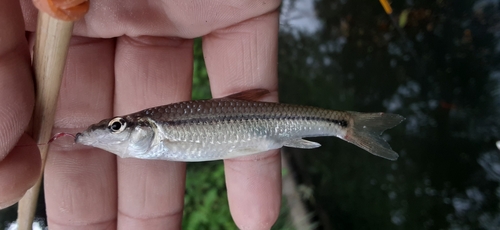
<point x="231" y="127"/>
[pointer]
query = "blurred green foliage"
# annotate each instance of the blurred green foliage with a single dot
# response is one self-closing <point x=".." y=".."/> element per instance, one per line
<point x="201" y="85"/>
<point x="205" y="202"/>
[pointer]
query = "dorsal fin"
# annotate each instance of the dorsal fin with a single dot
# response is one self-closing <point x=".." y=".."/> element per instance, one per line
<point x="249" y="95"/>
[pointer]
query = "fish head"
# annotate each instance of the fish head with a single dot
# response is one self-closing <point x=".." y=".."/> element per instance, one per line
<point x="124" y="136"/>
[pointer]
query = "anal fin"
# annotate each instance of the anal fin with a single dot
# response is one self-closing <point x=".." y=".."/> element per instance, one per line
<point x="301" y="144"/>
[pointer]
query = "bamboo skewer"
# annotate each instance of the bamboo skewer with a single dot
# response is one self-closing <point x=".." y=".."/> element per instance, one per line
<point x="51" y="46"/>
<point x="54" y="29"/>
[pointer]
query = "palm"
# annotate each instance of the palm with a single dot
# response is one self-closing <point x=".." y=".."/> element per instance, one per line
<point x="177" y="18"/>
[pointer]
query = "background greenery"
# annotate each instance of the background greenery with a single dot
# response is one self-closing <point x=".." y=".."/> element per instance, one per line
<point x="440" y="68"/>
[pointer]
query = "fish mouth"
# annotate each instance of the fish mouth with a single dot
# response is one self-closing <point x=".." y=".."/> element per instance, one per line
<point x="80" y="139"/>
<point x="77" y="136"/>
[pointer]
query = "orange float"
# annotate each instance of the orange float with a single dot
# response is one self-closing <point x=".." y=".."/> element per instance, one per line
<point x="67" y="10"/>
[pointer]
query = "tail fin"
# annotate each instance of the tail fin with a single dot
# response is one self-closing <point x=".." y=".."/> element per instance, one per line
<point x="366" y="130"/>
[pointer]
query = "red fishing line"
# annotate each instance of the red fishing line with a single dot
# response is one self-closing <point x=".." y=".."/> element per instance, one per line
<point x="53" y="138"/>
<point x="58" y="135"/>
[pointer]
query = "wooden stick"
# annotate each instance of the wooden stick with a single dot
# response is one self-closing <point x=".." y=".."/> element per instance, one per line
<point x="51" y="47"/>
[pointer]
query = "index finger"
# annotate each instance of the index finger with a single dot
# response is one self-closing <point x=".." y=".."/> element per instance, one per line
<point x="241" y="57"/>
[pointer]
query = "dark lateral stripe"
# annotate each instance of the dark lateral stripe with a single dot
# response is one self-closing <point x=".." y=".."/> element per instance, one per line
<point x="342" y="123"/>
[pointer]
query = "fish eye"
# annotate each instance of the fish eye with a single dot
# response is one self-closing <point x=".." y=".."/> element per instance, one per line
<point x="116" y="125"/>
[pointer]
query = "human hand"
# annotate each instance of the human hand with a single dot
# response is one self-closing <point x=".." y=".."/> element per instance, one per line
<point x="127" y="56"/>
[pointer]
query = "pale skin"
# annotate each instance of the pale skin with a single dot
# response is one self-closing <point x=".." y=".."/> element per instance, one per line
<point x="127" y="56"/>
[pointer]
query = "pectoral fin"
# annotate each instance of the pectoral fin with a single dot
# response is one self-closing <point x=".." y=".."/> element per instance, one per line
<point x="301" y="144"/>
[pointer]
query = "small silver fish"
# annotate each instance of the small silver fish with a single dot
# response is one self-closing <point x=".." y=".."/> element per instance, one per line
<point x="233" y="126"/>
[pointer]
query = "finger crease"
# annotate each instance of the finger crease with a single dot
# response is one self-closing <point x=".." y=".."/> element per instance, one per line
<point x="168" y="215"/>
<point x="82" y="223"/>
